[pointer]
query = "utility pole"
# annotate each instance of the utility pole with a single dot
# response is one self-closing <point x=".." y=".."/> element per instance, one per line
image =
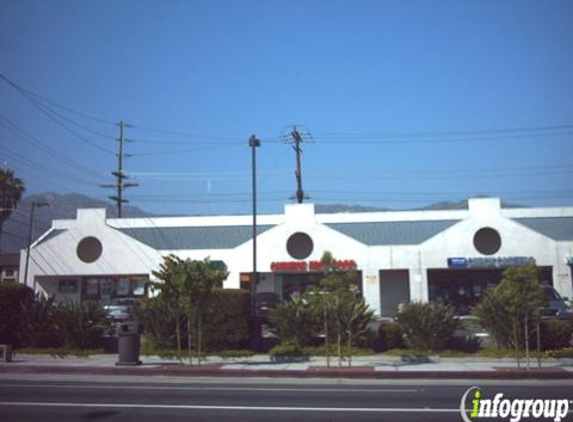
<point x="297" y="139"/>
<point x="254" y="143"/>
<point x="120" y="176"/>
<point x="30" y="233"/>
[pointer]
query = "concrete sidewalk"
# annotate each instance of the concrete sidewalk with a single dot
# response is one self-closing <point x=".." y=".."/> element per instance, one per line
<point x="374" y="366"/>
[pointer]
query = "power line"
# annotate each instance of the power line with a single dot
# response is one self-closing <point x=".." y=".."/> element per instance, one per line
<point x="448" y="133"/>
<point x="26" y="136"/>
<point x="19" y="88"/>
<point x="50" y="114"/>
<point x="13" y="235"/>
<point x="183" y="151"/>
<point x="187" y="134"/>
<point x="44" y="171"/>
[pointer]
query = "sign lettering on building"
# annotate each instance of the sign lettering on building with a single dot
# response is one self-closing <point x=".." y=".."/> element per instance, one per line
<point x="311" y="266"/>
<point x="495" y="262"/>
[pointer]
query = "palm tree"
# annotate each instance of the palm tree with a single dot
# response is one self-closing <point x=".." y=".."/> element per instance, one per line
<point x="11" y="191"/>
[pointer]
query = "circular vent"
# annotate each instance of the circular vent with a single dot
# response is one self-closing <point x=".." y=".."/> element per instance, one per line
<point x="300" y="245"/>
<point x="89" y="249"/>
<point x="487" y="241"/>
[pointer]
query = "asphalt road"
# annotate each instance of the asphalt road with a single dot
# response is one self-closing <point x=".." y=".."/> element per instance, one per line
<point x="163" y="399"/>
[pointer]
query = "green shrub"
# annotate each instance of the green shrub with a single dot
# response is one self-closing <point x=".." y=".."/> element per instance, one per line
<point x="287" y="350"/>
<point x="158" y="325"/>
<point x="228" y="325"/>
<point x="80" y="325"/>
<point x="60" y="353"/>
<point x="389" y="336"/>
<point x="427" y="326"/>
<point x="37" y="323"/>
<point x="12" y="297"/>
<point x="555" y="334"/>
<point x="295" y="322"/>
<point x="495" y="319"/>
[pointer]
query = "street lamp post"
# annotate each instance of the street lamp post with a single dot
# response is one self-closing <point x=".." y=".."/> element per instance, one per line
<point x="30" y="229"/>
<point x="254" y="143"/>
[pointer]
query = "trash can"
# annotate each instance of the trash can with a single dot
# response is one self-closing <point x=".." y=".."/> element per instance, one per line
<point x="128" y="343"/>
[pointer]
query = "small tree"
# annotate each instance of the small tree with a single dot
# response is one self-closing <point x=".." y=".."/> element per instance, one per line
<point x="199" y="280"/>
<point x="344" y="316"/>
<point x="519" y="298"/>
<point x="171" y="275"/>
<point x="325" y="300"/>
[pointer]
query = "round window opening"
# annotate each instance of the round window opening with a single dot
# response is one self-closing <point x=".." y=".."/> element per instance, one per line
<point x="487" y="241"/>
<point x="89" y="249"/>
<point x="300" y="245"/>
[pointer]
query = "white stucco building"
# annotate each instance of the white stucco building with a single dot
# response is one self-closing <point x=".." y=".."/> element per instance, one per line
<point x="450" y="256"/>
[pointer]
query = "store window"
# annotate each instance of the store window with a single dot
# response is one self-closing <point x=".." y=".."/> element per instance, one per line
<point x="139" y="287"/>
<point x="105" y="289"/>
<point x="123" y="287"/>
<point x="68" y="286"/>
<point x="92" y="288"/>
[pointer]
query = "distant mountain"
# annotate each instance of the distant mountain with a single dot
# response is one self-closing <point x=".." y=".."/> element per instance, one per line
<point x="338" y="208"/>
<point x="436" y="206"/>
<point x="15" y="231"/>
<point x="460" y="205"/>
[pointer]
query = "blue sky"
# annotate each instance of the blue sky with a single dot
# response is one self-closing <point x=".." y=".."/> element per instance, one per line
<point x="409" y="102"/>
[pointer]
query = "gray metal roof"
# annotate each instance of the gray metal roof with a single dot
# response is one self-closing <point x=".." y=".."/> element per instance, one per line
<point x="187" y="238"/>
<point x="556" y="228"/>
<point x="393" y="232"/>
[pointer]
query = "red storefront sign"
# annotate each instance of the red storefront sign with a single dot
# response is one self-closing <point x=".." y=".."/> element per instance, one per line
<point x="304" y="266"/>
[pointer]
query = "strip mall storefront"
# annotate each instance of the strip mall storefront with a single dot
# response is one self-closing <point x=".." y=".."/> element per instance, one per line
<point x="447" y="256"/>
<point x="290" y="279"/>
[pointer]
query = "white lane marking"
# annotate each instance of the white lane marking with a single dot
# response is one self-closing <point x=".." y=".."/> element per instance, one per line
<point x="139" y="387"/>
<point x="253" y="408"/>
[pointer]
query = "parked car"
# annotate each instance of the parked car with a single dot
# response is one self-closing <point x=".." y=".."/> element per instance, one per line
<point x="120" y="309"/>
<point x="557" y="305"/>
<point x="265" y="301"/>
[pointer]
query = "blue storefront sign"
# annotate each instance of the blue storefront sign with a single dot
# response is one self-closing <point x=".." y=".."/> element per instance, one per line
<point x="496" y="262"/>
<point x="457" y="262"/>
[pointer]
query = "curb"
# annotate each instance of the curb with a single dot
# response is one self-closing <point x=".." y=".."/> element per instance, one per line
<point x="315" y="372"/>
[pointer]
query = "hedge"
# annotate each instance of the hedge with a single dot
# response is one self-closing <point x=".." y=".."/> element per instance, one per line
<point x="555" y="334"/>
<point x="12" y="298"/>
<point x="229" y="320"/>
<point x="227" y="326"/>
